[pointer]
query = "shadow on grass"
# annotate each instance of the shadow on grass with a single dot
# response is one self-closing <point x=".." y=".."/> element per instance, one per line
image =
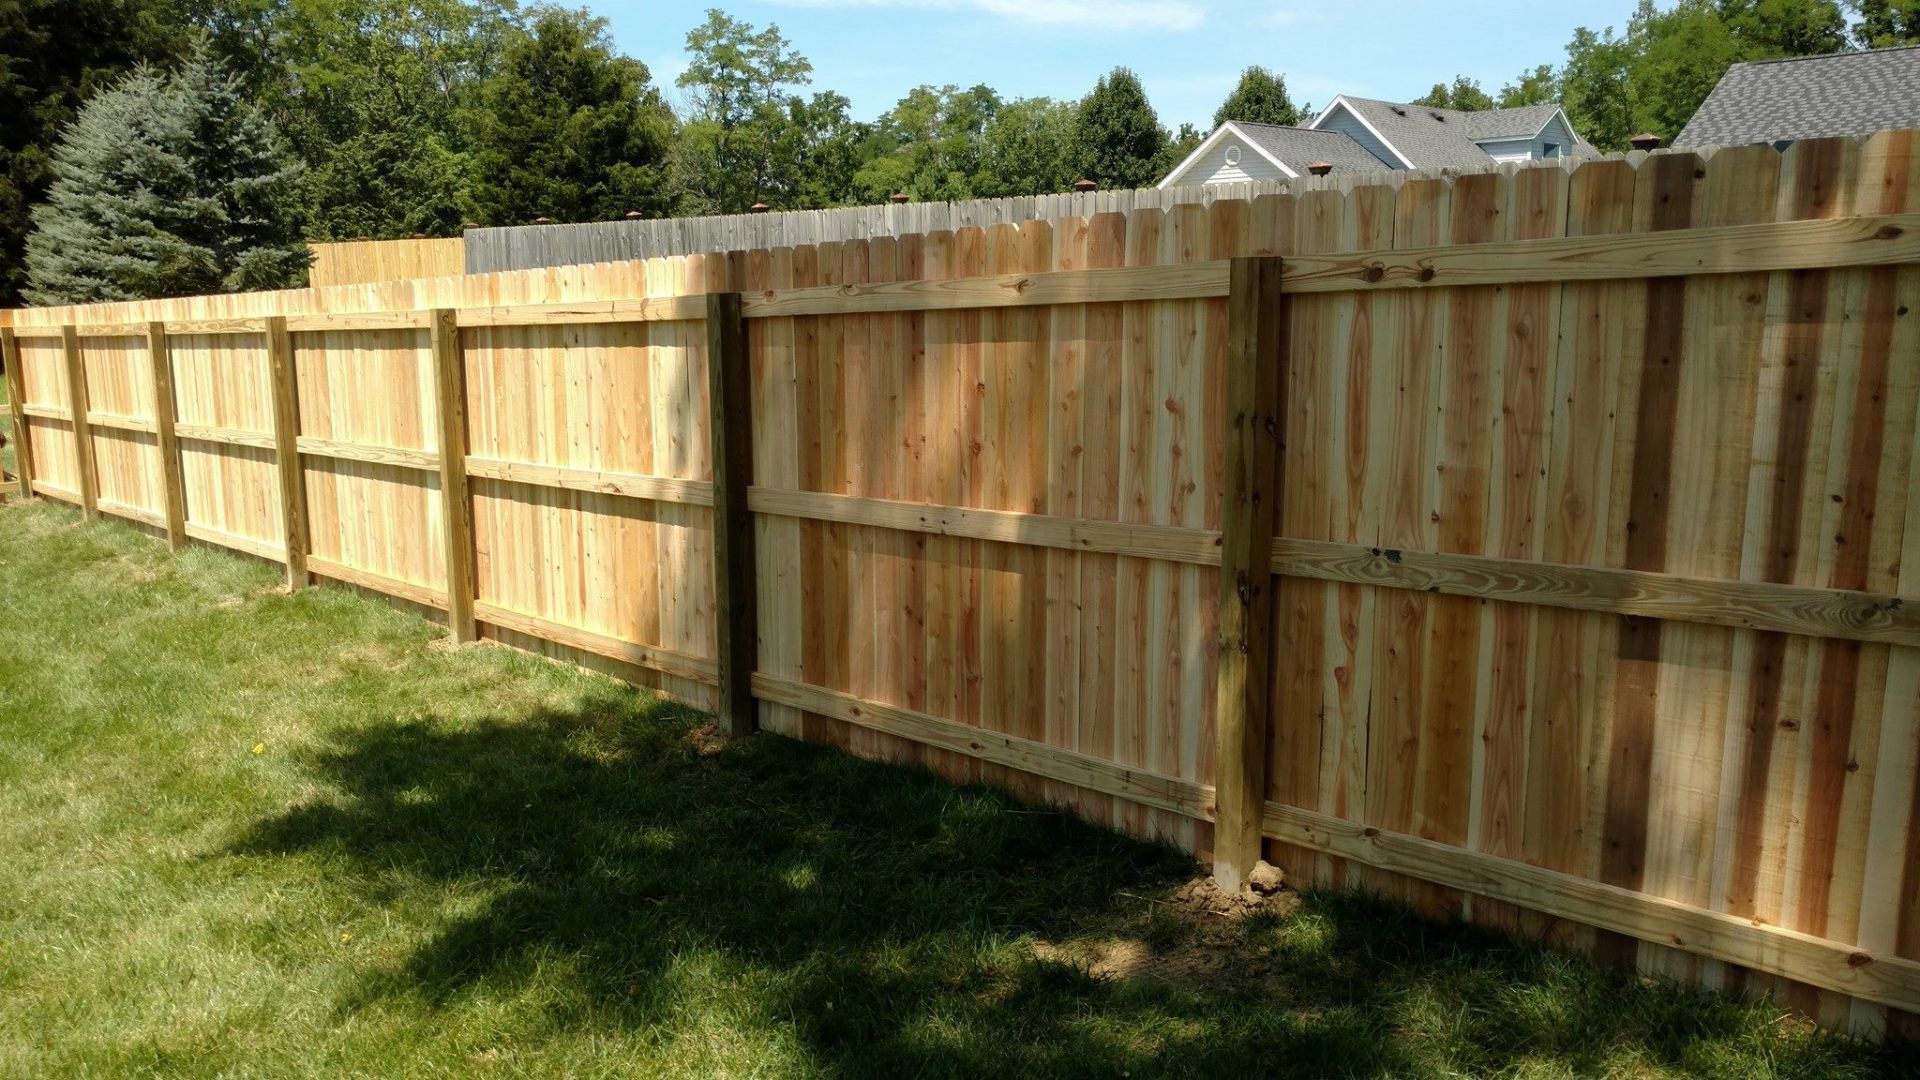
<point x="882" y="918"/>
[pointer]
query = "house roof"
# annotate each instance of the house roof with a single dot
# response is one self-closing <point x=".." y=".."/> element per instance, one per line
<point x="1298" y="147"/>
<point x="1809" y="97"/>
<point x="1430" y="137"/>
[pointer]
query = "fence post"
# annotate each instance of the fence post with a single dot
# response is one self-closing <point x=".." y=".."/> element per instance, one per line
<point x="1256" y="380"/>
<point x="286" y="442"/>
<point x="172" y="482"/>
<point x="730" y="429"/>
<point x="82" y="431"/>
<point x="450" y="390"/>
<point x="17" y="403"/>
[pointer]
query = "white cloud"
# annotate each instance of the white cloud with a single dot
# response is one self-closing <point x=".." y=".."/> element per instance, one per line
<point x="1084" y="14"/>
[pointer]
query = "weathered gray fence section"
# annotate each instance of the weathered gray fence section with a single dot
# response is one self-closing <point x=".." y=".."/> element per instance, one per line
<point x="525" y="247"/>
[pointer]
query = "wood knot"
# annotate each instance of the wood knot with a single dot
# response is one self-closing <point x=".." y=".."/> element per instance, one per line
<point x="1373" y="272"/>
<point x="1426" y="273"/>
<point x="1858" y="960"/>
<point x="1889" y="232"/>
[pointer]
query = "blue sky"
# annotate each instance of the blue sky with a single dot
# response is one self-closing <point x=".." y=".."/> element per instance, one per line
<point x="1188" y="52"/>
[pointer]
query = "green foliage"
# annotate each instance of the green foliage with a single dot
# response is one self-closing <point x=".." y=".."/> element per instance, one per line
<point x="166" y="185"/>
<point x="937" y="137"/>
<point x="570" y="129"/>
<point x="830" y="148"/>
<point x="1117" y="141"/>
<point x="1655" y="76"/>
<point x="379" y="97"/>
<point x="1261" y="98"/>
<point x="1028" y="149"/>
<point x="386" y="182"/>
<point x="1594" y="87"/>
<point x="1465" y="95"/>
<point x="1886" y="23"/>
<point x="739" y="84"/>
<point x="54" y="54"/>
<point x="1539" y="86"/>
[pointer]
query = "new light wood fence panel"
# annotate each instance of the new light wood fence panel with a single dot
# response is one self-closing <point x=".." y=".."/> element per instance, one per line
<point x="366" y="398"/>
<point x="357" y="262"/>
<point x="621" y="400"/>
<point x="49" y="418"/>
<point x="120" y="399"/>
<point x="1593" y="597"/>
<point x="223" y="391"/>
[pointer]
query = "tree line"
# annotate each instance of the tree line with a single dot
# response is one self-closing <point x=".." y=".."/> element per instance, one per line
<point x="168" y="147"/>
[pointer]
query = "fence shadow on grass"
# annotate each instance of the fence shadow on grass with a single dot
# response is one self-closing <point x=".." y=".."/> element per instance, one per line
<point x="877" y="912"/>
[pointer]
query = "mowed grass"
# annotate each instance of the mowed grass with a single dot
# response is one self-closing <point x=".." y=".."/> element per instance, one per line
<point x="244" y="833"/>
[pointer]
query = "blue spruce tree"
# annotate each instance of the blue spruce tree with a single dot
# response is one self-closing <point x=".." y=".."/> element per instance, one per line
<point x="167" y="184"/>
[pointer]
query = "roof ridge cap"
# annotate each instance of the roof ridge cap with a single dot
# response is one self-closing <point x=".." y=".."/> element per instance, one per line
<point x="1827" y="56"/>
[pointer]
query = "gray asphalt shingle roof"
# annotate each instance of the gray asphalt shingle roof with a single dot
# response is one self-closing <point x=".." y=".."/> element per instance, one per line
<point x="1808" y="98"/>
<point x="1440" y="137"/>
<point x="1300" y="147"/>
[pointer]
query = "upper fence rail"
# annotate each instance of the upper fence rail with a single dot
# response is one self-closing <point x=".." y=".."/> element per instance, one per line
<point x="1864" y="240"/>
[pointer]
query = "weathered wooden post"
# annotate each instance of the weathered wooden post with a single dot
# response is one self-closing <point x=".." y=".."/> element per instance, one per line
<point x="730" y="428"/>
<point x="1256" y="377"/>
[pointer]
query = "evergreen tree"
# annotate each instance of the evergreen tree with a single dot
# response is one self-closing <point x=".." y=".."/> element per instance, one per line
<point x="1260" y="98"/>
<point x="570" y="129"/>
<point x="389" y="181"/>
<point x="1117" y="140"/>
<point x="54" y="55"/>
<point x="166" y="185"/>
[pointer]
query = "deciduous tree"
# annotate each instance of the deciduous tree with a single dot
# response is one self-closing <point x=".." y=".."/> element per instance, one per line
<point x="1463" y="94"/>
<point x="740" y="83"/>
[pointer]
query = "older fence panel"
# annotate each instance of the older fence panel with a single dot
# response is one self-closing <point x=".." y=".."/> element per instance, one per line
<point x="1594" y="609"/>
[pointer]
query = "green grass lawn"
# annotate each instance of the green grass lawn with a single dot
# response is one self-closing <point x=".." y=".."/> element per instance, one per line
<point x="245" y="833"/>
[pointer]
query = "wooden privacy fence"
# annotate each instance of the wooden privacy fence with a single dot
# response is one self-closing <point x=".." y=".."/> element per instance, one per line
<point x="1536" y="545"/>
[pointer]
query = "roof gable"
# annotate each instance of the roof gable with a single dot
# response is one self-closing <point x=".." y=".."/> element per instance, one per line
<point x="1426" y="137"/>
<point x="1290" y="149"/>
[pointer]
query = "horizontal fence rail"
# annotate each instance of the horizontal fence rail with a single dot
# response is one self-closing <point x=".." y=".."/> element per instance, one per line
<point x="1515" y="544"/>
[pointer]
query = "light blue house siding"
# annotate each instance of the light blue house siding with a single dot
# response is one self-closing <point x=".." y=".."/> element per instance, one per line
<point x="1557" y="136"/>
<point x="1348" y="124"/>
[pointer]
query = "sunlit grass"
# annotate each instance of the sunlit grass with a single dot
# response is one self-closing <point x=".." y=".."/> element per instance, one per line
<point x="246" y="833"/>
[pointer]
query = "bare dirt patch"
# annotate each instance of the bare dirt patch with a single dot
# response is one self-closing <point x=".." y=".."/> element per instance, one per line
<point x="707" y="740"/>
<point x="1201" y="900"/>
<point x="1214" y="952"/>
